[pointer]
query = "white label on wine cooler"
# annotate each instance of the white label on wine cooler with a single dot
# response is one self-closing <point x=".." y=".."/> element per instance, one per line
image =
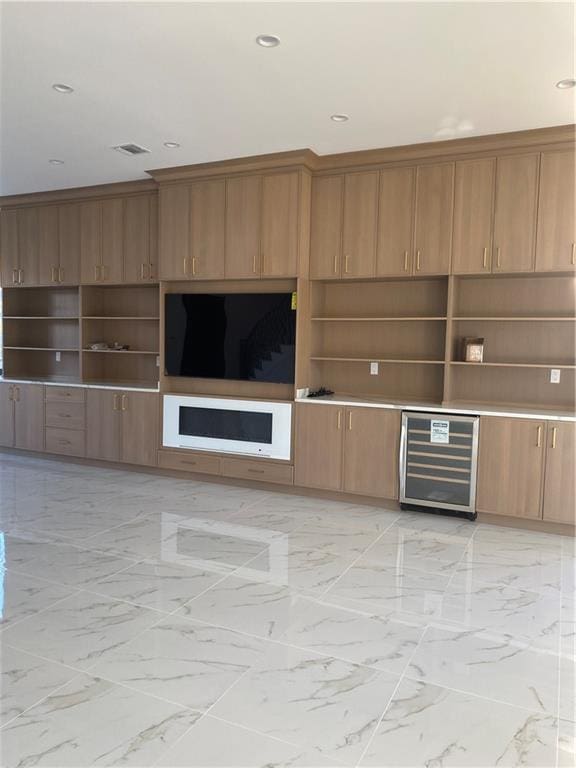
<point x="439" y="431"/>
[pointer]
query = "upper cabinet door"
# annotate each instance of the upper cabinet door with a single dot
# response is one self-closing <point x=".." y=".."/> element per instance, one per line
<point x="556" y="244"/>
<point x="112" y="241"/>
<point x="395" y="222"/>
<point x="243" y="226"/>
<point x="90" y="242"/>
<point x="326" y="226"/>
<point x="48" y="245"/>
<point x="515" y="213"/>
<point x="279" y="247"/>
<point x="69" y="244"/>
<point x="207" y="228"/>
<point x="138" y="236"/>
<point x="174" y="233"/>
<point x="473" y="209"/>
<point x="433" y="229"/>
<point x="28" y="246"/>
<point x="9" y="247"/>
<point x="360" y="221"/>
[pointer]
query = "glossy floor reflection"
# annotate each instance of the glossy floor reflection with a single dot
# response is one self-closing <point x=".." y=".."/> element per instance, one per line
<point x="150" y="621"/>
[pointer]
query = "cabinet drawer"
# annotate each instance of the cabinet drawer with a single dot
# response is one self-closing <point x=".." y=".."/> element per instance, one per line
<point x="65" y="394"/>
<point x="67" y="441"/>
<point x="254" y="470"/>
<point x="67" y="415"/>
<point x="209" y="465"/>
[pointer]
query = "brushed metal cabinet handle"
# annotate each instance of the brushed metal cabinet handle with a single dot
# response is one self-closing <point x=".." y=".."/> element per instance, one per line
<point x="339" y="420"/>
<point x="554" y="431"/>
<point x="60" y="274"/>
<point x="350" y="421"/>
<point x="573" y="258"/>
<point x="539" y="437"/>
<point x="418" y="261"/>
<point x="124" y="402"/>
<point x="485" y="258"/>
<point x="405" y="261"/>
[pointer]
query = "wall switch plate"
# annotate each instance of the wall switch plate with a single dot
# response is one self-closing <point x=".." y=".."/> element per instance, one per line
<point x="58" y="357"/>
<point x="374" y="369"/>
<point x="300" y="393"/>
<point x="554" y="375"/>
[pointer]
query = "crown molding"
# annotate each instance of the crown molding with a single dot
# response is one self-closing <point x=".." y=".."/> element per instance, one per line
<point x="73" y="194"/>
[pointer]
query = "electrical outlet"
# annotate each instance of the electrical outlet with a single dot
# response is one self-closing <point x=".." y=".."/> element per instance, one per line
<point x="554" y="375"/>
<point x="374" y="369"/>
<point x="58" y="357"/>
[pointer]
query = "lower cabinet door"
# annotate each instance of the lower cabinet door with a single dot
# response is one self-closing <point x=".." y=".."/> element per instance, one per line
<point x="371" y="446"/>
<point x="140" y="427"/>
<point x="7" y="415"/>
<point x="319" y="443"/>
<point x="559" y="482"/>
<point x="29" y="417"/>
<point x="103" y="424"/>
<point x="510" y="466"/>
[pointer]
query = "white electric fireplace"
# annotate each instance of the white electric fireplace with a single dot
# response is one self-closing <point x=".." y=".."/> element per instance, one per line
<point x="252" y="427"/>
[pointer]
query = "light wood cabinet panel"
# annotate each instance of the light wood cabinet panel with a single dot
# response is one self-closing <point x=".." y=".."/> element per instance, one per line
<point x="326" y="226"/>
<point x="9" y="247"/>
<point x="556" y="243"/>
<point x="257" y="470"/>
<point x="69" y="244"/>
<point x="207" y="228"/>
<point x="510" y="466"/>
<point x="433" y="228"/>
<point x="243" y="226"/>
<point x="112" y="241"/>
<point x="90" y="242"/>
<point x="69" y="442"/>
<point x="189" y="462"/>
<point x="371" y="446"/>
<point x="395" y="222"/>
<point x="139" y="250"/>
<point x="28" y="246"/>
<point x="515" y="213"/>
<point x="279" y="233"/>
<point x="29" y="417"/>
<point x="319" y="446"/>
<point x="360" y="219"/>
<point x="140" y="428"/>
<point x="48" y="245"/>
<point x="6" y="415"/>
<point x="559" y="482"/>
<point x="103" y="424"/>
<point x="174" y="233"/>
<point x="473" y="210"/>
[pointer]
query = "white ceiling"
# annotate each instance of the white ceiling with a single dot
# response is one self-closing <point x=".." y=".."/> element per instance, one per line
<point x="191" y="73"/>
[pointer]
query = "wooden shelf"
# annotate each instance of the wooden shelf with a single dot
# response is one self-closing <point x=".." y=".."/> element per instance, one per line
<point x="41" y="317"/>
<point x="118" y="317"/>
<point x="45" y="349"/>
<point x="121" y="351"/>
<point x="122" y="383"/>
<point x="377" y="360"/>
<point x="561" y="366"/>
<point x="525" y="319"/>
<point x="375" y="319"/>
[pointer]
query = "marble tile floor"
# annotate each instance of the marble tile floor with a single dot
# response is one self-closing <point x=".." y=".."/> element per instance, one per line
<point x="152" y="621"/>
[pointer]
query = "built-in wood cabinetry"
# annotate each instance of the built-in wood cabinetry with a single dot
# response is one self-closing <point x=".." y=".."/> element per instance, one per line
<point x="556" y="239"/>
<point x="122" y="426"/>
<point x="560" y="473"/>
<point x="19" y="246"/>
<point x="243" y="198"/>
<point x="22" y="416"/>
<point x="433" y="225"/>
<point x="395" y="253"/>
<point x="350" y="449"/>
<point x="473" y="216"/>
<point x="140" y="238"/>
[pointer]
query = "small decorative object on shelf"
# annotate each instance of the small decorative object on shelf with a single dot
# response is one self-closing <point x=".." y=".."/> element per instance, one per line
<point x="473" y="349"/>
<point x="103" y="346"/>
<point x="322" y="392"/>
<point x="98" y="345"/>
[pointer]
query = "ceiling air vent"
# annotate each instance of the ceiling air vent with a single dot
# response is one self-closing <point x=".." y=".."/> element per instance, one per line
<point x="131" y="149"/>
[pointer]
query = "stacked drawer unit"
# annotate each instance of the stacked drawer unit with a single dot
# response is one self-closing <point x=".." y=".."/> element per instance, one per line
<point x="65" y="420"/>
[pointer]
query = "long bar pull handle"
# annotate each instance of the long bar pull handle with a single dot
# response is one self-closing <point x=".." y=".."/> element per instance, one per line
<point x="20" y="276"/>
<point x="53" y="271"/>
<point x="185" y="266"/>
<point x="96" y="273"/>
<point x="554" y="431"/>
<point x="10" y="392"/>
<point x="417" y="261"/>
<point x="254" y="263"/>
<point x="15" y="276"/>
<point x="346" y="263"/>
<point x="17" y="390"/>
<point x="194" y="265"/>
<point x="339" y="421"/>
<point x="104" y="272"/>
<point x="573" y="259"/>
<point x="336" y="263"/>
<point x="124" y="402"/>
<point x="498" y="262"/>
<point x="405" y="261"/>
<point x="142" y="271"/>
<point x="60" y="274"/>
<point x="115" y="403"/>
<point x="539" y="437"/>
<point x="485" y="258"/>
<point x="350" y="421"/>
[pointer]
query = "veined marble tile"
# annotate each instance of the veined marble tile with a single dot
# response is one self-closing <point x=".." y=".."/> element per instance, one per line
<point x="426" y="725"/>
<point x="316" y="702"/>
<point x="508" y="543"/>
<point x="26" y="680"/>
<point x="161" y="586"/>
<point x="22" y="596"/>
<point x="528" y="616"/>
<point x="486" y="664"/>
<point x="566" y="744"/>
<point x="182" y="661"/>
<point x="260" y="517"/>
<point x="431" y="523"/>
<point x="386" y="589"/>
<point x="93" y="722"/>
<point x="79" y="629"/>
<point x="383" y="643"/>
<point x="212" y="743"/>
<point x="333" y="538"/>
<point x="256" y="607"/>
<point x="531" y="575"/>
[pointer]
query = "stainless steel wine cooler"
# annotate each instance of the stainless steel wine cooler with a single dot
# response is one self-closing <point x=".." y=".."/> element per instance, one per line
<point x="438" y="459"/>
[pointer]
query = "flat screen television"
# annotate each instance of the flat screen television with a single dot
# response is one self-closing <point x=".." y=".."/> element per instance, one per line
<point x="241" y="336"/>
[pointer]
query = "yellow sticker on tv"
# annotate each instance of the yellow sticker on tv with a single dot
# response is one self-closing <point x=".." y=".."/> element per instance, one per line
<point x="294" y="300"/>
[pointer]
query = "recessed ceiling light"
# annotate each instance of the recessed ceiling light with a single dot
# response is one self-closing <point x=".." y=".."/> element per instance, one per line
<point x="569" y="82"/>
<point x="171" y="144"/>
<point x="56" y="162"/>
<point x="339" y="118"/>
<point x="268" y="41"/>
<point x="63" y="88"/>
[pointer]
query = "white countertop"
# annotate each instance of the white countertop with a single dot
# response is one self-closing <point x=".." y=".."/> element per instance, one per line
<point x="464" y="409"/>
<point x="130" y="387"/>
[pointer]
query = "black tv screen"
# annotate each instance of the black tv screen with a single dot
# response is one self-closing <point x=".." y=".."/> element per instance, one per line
<point x="243" y="336"/>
